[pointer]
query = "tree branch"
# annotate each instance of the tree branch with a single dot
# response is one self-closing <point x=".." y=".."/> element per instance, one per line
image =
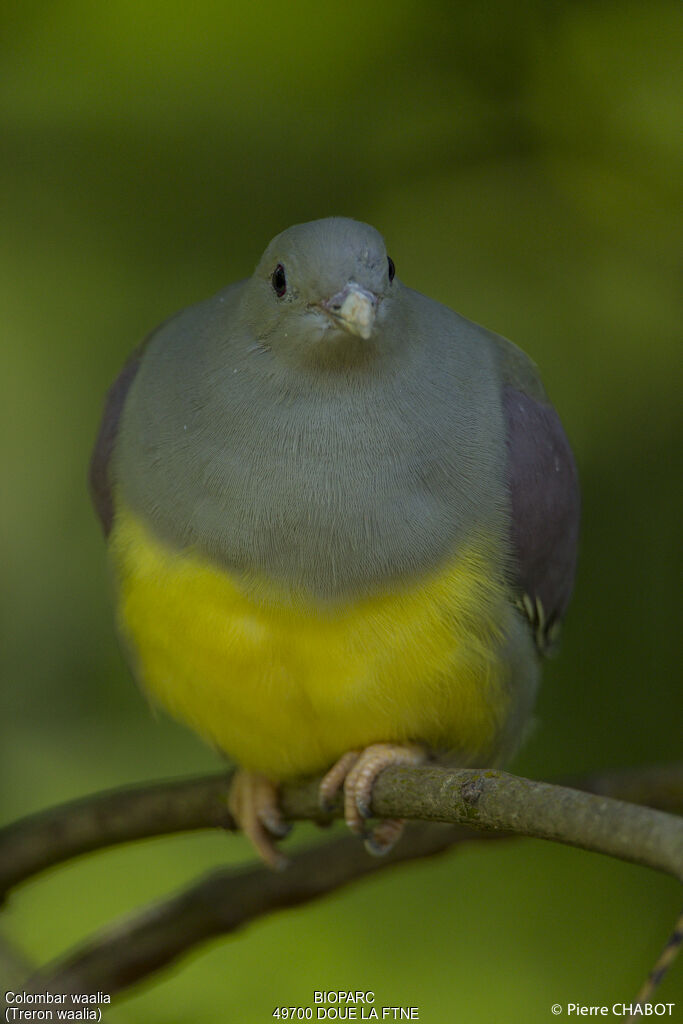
<point x="496" y="800"/>
<point x="39" y="841"/>
<point x="218" y="904"/>
<point x="483" y="799"/>
<point x="224" y="901"/>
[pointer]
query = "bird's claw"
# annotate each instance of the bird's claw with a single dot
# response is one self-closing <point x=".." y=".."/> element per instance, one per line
<point x="252" y="801"/>
<point x="333" y="781"/>
<point x="356" y="771"/>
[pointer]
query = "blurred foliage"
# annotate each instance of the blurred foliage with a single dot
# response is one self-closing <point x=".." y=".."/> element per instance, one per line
<point x="522" y="160"/>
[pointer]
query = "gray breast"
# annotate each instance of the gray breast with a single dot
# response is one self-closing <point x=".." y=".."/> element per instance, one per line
<point x="329" y="482"/>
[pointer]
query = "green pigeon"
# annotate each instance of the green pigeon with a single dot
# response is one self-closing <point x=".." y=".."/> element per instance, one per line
<point x="342" y="521"/>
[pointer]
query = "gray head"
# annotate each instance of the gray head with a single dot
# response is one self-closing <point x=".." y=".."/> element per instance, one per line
<point x="322" y="290"/>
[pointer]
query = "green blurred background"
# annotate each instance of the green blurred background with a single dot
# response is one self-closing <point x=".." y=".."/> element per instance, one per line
<point x="521" y="161"/>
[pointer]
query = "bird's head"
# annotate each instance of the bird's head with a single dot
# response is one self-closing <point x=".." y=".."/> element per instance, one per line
<point x="322" y="291"/>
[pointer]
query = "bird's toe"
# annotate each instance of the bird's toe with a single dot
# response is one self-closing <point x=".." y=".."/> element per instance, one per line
<point x="384" y="836"/>
<point x="253" y="803"/>
<point x="334" y="780"/>
<point x="357" y="772"/>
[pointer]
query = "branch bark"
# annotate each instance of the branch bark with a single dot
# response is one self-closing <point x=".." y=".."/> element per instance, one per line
<point x="499" y="804"/>
<point x="483" y="799"/>
<point x="40" y="841"/>
<point x="220" y="903"/>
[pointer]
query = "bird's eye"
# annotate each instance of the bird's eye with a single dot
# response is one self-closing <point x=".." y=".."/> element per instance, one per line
<point x="392" y="269"/>
<point x="279" y="281"/>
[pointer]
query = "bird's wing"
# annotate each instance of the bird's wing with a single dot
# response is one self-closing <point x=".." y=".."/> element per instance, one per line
<point x="544" y="496"/>
<point x="99" y="473"/>
<point x="545" y="508"/>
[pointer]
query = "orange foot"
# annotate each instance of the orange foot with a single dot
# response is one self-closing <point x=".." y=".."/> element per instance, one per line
<point x="252" y="801"/>
<point x="357" y="772"/>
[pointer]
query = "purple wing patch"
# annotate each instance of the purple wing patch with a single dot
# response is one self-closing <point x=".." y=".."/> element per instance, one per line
<point x="545" y="510"/>
<point x="99" y="480"/>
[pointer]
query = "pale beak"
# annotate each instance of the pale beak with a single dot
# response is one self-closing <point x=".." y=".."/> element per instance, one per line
<point x="353" y="308"/>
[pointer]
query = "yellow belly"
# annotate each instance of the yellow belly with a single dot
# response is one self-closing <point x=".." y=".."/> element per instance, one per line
<point x="284" y="686"/>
